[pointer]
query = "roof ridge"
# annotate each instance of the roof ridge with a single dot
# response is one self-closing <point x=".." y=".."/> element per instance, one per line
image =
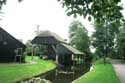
<point x="12" y="36"/>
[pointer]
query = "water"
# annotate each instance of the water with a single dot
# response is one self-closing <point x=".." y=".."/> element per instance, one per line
<point x="65" y="74"/>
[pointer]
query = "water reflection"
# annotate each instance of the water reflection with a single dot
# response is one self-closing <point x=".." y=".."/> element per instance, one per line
<point x="66" y="74"/>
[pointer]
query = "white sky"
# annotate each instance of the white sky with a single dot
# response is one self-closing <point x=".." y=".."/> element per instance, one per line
<point x="20" y="19"/>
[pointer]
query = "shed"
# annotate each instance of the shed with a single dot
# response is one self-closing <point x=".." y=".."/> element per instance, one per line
<point x="56" y="47"/>
<point x="8" y="45"/>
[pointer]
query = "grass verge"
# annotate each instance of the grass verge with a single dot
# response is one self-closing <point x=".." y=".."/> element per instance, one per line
<point x="17" y="72"/>
<point x="100" y="74"/>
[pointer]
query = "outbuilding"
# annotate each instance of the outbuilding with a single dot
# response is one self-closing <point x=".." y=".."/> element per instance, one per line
<point x="56" y="47"/>
<point x="11" y="49"/>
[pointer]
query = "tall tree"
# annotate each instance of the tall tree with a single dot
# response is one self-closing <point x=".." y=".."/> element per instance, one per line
<point x="121" y="42"/>
<point x="79" y="38"/>
<point x="104" y="38"/>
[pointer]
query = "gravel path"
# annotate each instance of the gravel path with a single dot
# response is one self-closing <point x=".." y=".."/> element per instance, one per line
<point x="119" y="66"/>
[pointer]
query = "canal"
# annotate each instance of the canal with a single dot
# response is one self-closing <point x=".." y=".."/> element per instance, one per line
<point x="65" y="74"/>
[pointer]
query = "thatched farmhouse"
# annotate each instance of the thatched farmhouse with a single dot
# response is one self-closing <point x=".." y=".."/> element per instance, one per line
<point x="56" y="47"/>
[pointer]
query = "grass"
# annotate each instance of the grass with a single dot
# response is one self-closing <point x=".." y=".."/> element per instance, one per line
<point x="100" y="74"/>
<point x="14" y="73"/>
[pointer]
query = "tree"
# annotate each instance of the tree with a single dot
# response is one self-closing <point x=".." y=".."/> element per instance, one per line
<point x="3" y="2"/>
<point x="91" y="8"/>
<point x="94" y="8"/>
<point x="79" y="38"/>
<point x="29" y="47"/>
<point x="104" y="38"/>
<point x="106" y="13"/>
<point x="121" y="42"/>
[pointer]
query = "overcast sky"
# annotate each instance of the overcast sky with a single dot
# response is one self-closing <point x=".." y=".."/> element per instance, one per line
<point x="20" y="19"/>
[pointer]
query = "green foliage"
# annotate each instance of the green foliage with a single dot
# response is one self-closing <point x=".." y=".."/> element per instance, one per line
<point x="3" y="2"/>
<point x="100" y="74"/>
<point x="28" y="46"/>
<point x="103" y="39"/>
<point x="107" y="15"/>
<point x="79" y="38"/>
<point x="94" y="8"/>
<point x="121" y="42"/>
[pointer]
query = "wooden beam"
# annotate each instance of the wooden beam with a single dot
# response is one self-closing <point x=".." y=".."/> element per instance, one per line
<point x="57" y="56"/>
<point x="32" y="51"/>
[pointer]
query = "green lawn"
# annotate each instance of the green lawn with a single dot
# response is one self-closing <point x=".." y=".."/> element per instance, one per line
<point x="100" y="74"/>
<point x="17" y="72"/>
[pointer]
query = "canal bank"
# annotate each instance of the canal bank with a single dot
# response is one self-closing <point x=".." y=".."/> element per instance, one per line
<point x="15" y="72"/>
<point x="100" y="74"/>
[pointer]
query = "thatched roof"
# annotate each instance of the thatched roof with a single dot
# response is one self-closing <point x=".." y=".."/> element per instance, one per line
<point x="47" y="37"/>
<point x="72" y="49"/>
<point x="50" y="34"/>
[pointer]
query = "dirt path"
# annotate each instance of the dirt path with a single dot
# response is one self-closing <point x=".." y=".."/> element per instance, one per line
<point x="119" y="67"/>
<point x="15" y="64"/>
